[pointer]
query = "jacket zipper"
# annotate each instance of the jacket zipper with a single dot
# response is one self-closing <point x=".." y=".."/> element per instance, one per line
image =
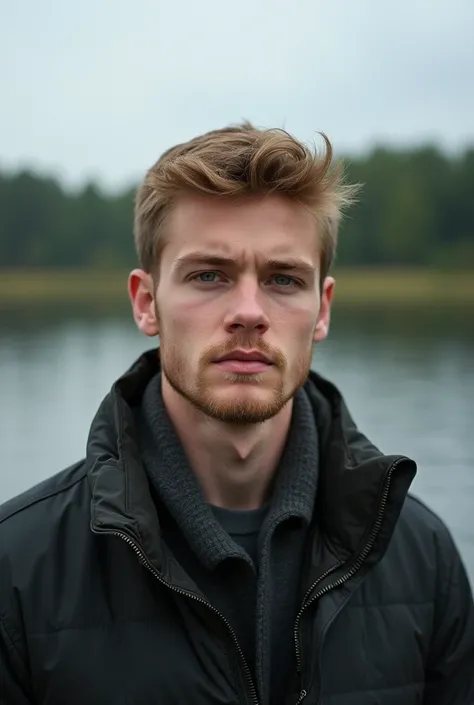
<point x="145" y="562"/>
<point x="306" y="603"/>
<point x="347" y="575"/>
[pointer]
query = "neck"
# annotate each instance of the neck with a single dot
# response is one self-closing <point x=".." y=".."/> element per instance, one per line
<point x="235" y="465"/>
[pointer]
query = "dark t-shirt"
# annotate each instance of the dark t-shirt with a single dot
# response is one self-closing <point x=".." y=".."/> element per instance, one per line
<point x="243" y="526"/>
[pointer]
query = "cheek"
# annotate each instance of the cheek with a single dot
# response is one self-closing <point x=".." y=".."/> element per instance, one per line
<point x="175" y="322"/>
<point x="183" y="338"/>
<point x="300" y="327"/>
<point x="194" y="327"/>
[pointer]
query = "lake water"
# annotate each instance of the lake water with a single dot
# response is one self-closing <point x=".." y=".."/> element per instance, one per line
<point x="407" y="376"/>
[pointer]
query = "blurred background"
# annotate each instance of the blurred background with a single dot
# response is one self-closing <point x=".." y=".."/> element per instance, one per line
<point x="93" y="92"/>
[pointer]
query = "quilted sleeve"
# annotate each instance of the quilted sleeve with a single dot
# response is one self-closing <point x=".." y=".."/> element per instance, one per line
<point x="13" y="675"/>
<point x="450" y="667"/>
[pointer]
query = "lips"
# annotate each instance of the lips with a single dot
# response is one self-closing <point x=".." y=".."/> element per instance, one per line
<point x="245" y="356"/>
<point x="244" y="362"/>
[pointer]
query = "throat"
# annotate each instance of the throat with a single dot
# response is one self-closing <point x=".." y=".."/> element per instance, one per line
<point x="235" y="466"/>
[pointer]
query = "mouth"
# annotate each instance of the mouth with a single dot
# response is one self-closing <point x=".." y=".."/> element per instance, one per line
<point x="244" y="362"/>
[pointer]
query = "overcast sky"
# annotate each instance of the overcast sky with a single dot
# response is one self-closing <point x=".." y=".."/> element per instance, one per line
<point x="99" y="88"/>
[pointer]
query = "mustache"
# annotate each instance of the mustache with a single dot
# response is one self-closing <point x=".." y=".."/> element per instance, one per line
<point x="245" y="343"/>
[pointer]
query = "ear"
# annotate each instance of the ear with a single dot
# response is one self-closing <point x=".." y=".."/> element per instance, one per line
<point x="324" y="316"/>
<point x="142" y="297"/>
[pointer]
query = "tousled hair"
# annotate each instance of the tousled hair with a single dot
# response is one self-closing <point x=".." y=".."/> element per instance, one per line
<point x="237" y="161"/>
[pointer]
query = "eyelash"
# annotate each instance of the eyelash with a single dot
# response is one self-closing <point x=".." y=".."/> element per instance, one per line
<point x="294" y="282"/>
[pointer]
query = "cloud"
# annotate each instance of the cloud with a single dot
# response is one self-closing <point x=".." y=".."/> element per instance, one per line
<point x="101" y="88"/>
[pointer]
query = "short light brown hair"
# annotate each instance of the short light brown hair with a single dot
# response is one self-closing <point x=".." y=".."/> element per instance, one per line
<point x="236" y="161"/>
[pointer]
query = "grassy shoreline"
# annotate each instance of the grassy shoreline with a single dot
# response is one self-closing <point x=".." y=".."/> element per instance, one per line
<point x="353" y="286"/>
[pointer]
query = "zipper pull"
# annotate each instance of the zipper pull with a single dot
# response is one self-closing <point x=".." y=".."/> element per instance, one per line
<point x="303" y="695"/>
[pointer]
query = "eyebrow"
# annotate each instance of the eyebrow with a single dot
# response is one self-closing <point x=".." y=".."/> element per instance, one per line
<point x="288" y="264"/>
<point x="291" y="264"/>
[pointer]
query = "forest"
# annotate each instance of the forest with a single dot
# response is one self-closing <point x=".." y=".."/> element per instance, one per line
<point x="416" y="209"/>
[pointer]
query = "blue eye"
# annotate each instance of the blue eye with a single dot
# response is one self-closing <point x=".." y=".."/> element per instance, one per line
<point x="283" y="280"/>
<point x="207" y="277"/>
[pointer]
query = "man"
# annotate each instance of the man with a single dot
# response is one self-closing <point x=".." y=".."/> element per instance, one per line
<point x="231" y="537"/>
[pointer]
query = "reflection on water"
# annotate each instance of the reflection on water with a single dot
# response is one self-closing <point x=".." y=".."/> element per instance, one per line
<point x="407" y="376"/>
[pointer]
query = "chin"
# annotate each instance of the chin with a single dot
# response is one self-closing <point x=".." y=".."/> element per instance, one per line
<point x="241" y="413"/>
<point x="243" y="404"/>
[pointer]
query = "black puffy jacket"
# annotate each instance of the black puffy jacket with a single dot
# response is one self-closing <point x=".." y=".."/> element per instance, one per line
<point x="95" y="610"/>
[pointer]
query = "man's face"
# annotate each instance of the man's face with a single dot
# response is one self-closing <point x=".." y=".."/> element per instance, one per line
<point x="239" y="280"/>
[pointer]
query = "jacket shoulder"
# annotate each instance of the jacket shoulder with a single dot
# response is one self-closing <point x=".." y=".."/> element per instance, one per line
<point x="424" y="536"/>
<point x="39" y="497"/>
<point x="419" y="518"/>
<point x="39" y="530"/>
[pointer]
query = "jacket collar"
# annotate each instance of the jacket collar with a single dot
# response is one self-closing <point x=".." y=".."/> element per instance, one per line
<point x="360" y="491"/>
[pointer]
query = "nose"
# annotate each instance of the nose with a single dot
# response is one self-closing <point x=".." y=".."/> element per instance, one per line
<point x="245" y="313"/>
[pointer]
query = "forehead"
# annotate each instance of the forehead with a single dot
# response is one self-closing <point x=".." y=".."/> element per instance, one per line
<point x="270" y="225"/>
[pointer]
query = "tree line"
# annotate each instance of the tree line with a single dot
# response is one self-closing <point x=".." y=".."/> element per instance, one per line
<point x="416" y="208"/>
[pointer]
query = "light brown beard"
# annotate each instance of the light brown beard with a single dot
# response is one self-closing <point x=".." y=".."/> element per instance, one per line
<point x="247" y="411"/>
